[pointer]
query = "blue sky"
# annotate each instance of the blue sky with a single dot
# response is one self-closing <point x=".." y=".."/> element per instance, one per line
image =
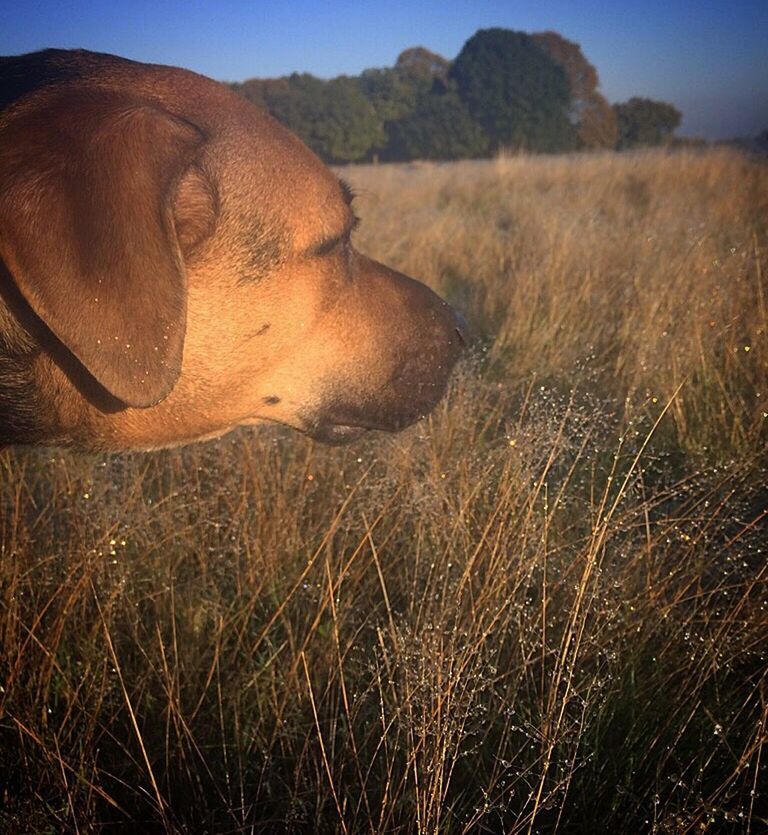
<point x="710" y="59"/>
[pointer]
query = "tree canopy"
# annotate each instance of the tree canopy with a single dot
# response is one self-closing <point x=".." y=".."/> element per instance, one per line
<point x="333" y="117"/>
<point x="645" y="122"/>
<point x="593" y="117"/>
<point x="515" y="90"/>
<point x="420" y="61"/>
<point x="505" y="89"/>
<point x="439" y="128"/>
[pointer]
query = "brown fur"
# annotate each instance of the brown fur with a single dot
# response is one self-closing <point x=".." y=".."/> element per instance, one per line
<point x="174" y="263"/>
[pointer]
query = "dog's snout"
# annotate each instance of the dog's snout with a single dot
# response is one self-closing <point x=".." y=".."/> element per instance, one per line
<point x="417" y="345"/>
<point x="461" y="329"/>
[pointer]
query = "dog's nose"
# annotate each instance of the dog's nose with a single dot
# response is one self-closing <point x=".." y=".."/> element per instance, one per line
<point x="462" y="329"/>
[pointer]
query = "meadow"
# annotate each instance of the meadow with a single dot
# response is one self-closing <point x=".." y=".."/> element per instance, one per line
<point x="542" y="609"/>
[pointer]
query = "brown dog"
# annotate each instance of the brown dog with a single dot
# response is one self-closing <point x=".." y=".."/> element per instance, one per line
<point x="174" y="263"/>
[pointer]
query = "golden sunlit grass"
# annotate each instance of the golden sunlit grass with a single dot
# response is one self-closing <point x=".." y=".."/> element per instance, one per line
<point x="544" y="609"/>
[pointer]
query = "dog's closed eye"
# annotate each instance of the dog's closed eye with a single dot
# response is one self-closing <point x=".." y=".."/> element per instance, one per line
<point x="330" y="244"/>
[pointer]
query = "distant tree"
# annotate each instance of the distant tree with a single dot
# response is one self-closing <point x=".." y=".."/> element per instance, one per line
<point x="515" y="90"/>
<point x="333" y="117"/>
<point x="421" y="61"/>
<point x="645" y="122"/>
<point x="593" y="116"/>
<point x="398" y="93"/>
<point x="505" y="89"/>
<point x="393" y="93"/>
<point x="440" y="128"/>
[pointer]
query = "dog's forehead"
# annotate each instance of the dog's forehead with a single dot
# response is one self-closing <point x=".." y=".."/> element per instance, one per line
<point x="251" y="154"/>
<point x="263" y="170"/>
<point x="260" y="167"/>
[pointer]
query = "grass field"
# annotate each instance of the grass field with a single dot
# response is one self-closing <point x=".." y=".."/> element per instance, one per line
<point x="543" y="609"/>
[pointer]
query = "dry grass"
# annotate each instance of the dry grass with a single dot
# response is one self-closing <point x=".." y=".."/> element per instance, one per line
<point x="543" y="610"/>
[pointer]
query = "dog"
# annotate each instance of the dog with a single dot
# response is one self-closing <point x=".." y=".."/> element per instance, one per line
<point x="174" y="263"/>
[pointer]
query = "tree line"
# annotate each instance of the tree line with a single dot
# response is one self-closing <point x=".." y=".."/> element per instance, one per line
<point x="505" y="90"/>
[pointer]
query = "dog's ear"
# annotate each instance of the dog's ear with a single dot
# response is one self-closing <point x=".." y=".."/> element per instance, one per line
<point x="88" y="183"/>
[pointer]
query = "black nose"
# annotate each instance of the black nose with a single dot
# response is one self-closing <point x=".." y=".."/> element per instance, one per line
<point x="462" y="329"/>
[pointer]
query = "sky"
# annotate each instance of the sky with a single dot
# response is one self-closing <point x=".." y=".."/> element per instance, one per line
<point x="709" y="59"/>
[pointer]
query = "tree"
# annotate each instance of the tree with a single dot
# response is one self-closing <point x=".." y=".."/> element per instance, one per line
<point x="419" y="60"/>
<point x="439" y="128"/>
<point x="505" y="89"/>
<point x="593" y="116"/>
<point x="333" y="117"/>
<point x="393" y="93"/>
<point x="402" y="97"/>
<point x="396" y="93"/>
<point x="645" y="122"/>
<point x="515" y="90"/>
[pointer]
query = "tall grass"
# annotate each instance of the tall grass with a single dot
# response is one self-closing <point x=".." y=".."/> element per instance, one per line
<point x="543" y="609"/>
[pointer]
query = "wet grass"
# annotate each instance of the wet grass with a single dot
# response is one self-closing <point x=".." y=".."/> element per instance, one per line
<point x="544" y="609"/>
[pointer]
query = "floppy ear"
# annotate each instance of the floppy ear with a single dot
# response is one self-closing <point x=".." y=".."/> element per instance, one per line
<point x="87" y="184"/>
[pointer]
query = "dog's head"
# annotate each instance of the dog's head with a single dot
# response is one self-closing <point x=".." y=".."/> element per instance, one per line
<point x="178" y="264"/>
